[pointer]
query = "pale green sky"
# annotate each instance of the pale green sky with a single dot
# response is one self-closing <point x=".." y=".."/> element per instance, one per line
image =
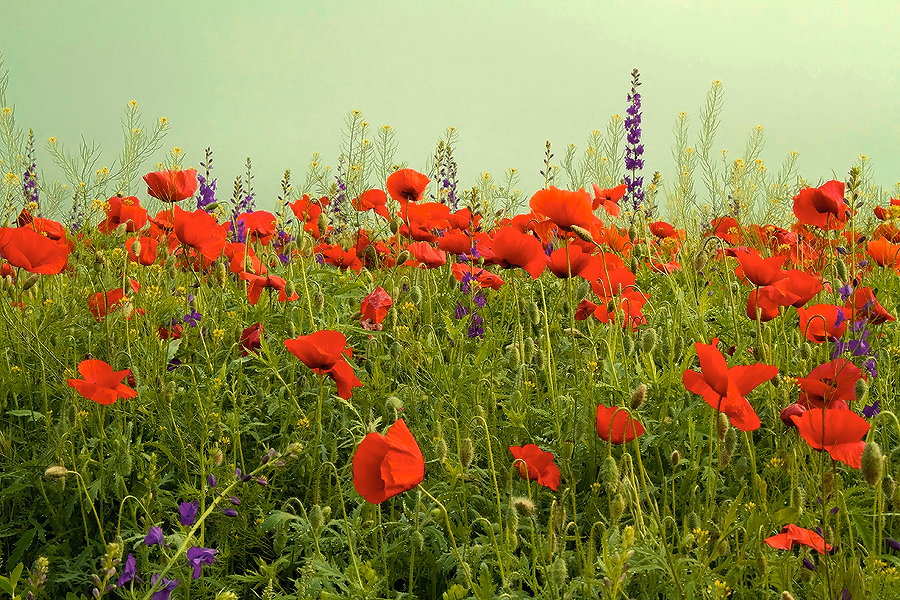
<point x="275" y="80"/>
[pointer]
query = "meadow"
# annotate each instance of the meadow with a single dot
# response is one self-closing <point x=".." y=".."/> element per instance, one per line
<point x="393" y="386"/>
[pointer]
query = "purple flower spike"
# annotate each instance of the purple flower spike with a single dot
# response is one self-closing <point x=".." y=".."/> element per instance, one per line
<point x="188" y="512"/>
<point x="211" y="480"/>
<point x="872" y="410"/>
<point x="834" y="510"/>
<point x="198" y="557"/>
<point x="262" y="481"/>
<point x="894" y="544"/>
<point x="155" y="536"/>
<point x="168" y="586"/>
<point x="809" y="564"/>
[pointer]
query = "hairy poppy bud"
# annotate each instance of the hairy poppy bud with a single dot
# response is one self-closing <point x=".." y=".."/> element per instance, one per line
<point x="582" y="233"/>
<point x="723" y="424"/>
<point x="634" y="265"/>
<point x="136" y="246"/>
<point x="539" y="360"/>
<point x="436" y="514"/>
<point x="417" y="540"/>
<point x="440" y="448"/>
<point x="528" y="349"/>
<point x="616" y="507"/>
<point x="512" y="536"/>
<point x="786" y="595"/>
<point x="220" y="274"/>
<point x="316" y="519"/>
<point x="559" y="573"/>
<point x="394" y="404"/>
<point x="804" y="351"/>
<point x="678" y="346"/>
<point x="637" y="251"/>
<point x="415" y="295"/>
<point x="675" y="458"/>
<point x="692" y="521"/>
<point x="627" y="345"/>
<point x="523" y="506"/>
<point x="648" y="340"/>
<point x="888" y="486"/>
<point x="582" y="291"/>
<point x="609" y="474"/>
<point x="638" y="397"/>
<point x="55" y="471"/>
<point x="513" y="357"/>
<point x="396" y="222"/>
<point x="632" y="233"/>
<point x="31" y="281"/>
<point x="841" y="268"/>
<point x="319" y="301"/>
<point x="322" y="223"/>
<point x="872" y="463"/>
<point x="701" y="259"/>
<point x="861" y="389"/>
<point x="534" y="314"/>
<point x="798" y="498"/>
<point x="728" y="447"/>
<point x="466" y="453"/>
<point x="289" y="289"/>
<point x="404" y="256"/>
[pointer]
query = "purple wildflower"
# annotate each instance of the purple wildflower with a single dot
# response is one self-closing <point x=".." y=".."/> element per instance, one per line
<point x="173" y="364"/>
<point x="206" y="189"/>
<point x="845" y="290"/>
<point x="193" y="318"/>
<point x="188" y="512"/>
<point x="872" y="410"/>
<point x="168" y="586"/>
<point x="211" y="480"/>
<point x="894" y="544"/>
<point x="129" y="572"/>
<point x="197" y="557"/>
<point x="634" y="150"/>
<point x="475" y="326"/>
<point x="479" y="299"/>
<point x="809" y="564"/>
<point x="155" y="536"/>
<point x="461" y="311"/>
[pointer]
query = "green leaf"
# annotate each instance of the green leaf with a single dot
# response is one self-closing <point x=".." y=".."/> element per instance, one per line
<point x="19" y="549"/>
<point x="172" y="349"/>
<point x="12" y="489"/>
<point x="10" y="584"/>
<point x="21" y="412"/>
<point x="277" y="518"/>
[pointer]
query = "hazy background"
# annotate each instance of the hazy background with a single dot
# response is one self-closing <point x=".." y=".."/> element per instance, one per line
<point x="275" y="80"/>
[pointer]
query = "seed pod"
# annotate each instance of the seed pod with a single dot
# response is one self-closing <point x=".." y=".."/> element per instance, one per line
<point x="872" y="463"/>
<point x="700" y="260"/>
<point x="616" y="507"/>
<point x="559" y="573"/>
<point x="861" y="389"/>
<point x="723" y="424"/>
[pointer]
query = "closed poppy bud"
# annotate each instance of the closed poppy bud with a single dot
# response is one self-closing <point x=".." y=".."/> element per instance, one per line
<point x="649" y="340"/>
<point x="609" y="474"/>
<point x="31" y="281"/>
<point x="539" y="360"/>
<point x="582" y="233"/>
<point x="528" y="349"/>
<point x="55" y="471"/>
<point x="872" y="463"/>
<point x="316" y="519"/>
<point x="559" y="572"/>
<point x="861" y="389"/>
<point x="534" y="314"/>
<point x="692" y="521"/>
<point x="415" y="295"/>
<point x="627" y="345"/>
<point x="466" y="453"/>
<point x="634" y="265"/>
<point x="804" y="351"/>
<point x="512" y="358"/>
<point x="616" y="508"/>
<point x="888" y="486"/>
<point x="675" y="458"/>
<point x="798" y="498"/>
<point x="700" y="260"/>
<point x="722" y="426"/>
<point x="396" y="222"/>
<point x="220" y="275"/>
<point x="841" y="269"/>
<point x="786" y="595"/>
<point x="319" y="301"/>
<point x="524" y="506"/>
<point x="322" y="223"/>
<point x="639" y="395"/>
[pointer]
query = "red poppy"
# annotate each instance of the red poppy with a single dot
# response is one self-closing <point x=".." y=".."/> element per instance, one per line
<point x="124" y="210"/>
<point x="102" y="303"/>
<point x="563" y="208"/>
<point x="728" y="229"/>
<point x="27" y="249"/>
<point x="823" y="206"/>
<point x="259" y="226"/>
<point x="573" y="262"/>
<point x="485" y="278"/>
<point x="323" y="352"/>
<point x="200" y="231"/>
<point x="173" y="331"/>
<point x="257" y="283"/>
<point x="764" y="303"/>
<point x="613" y="281"/>
<point x="828" y="384"/>
<point x="608" y="199"/>
<point x="147" y="248"/>
<point x="585" y="308"/>
<point x="251" y="339"/>
<point x="759" y="270"/>
<point x="884" y="252"/>
<point x="822" y="322"/>
<point x="375" y="200"/>
<point x="407" y="185"/>
<point x="101" y="384"/>
<point x="535" y="464"/>
<point x="427" y="254"/>
<point x="462" y="219"/>
<point x="864" y="304"/>
<point x="724" y="388"/>
<point x="514" y="249"/>
<point x="307" y="212"/>
<point x="239" y="255"/>
<point x="616" y="426"/>
<point x="374" y="307"/>
<point x="661" y="229"/>
<point x="343" y="259"/>
<point x="891" y="212"/>
<point x="387" y="465"/>
<point x="173" y="185"/>
<point x="839" y="431"/>
<point x="792" y="534"/>
<point x="802" y="285"/>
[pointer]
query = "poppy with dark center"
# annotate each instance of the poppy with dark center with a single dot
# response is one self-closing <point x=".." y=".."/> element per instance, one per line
<point x="536" y="465"/>
<point x="822" y="322"/>
<point x="101" y="384"/>
<point x="374" y="200"/>
<point x="724" y="388"/>
<point x="616" y="426"/>
<point x="791" y="534"/>
<point x="324" y="352"/>
<point x="387" y="465"/>
<point x="823" y="206"/>
<point x="27" y="249"/>
<point x="407" y="185"/>
<point x="173" y="185"/>
<point x="829" y="384"/>
<point x="608" y="199"/>
<point x="564" y="208"/>
<point x="838" y="431"/>
<point x="514" y="249"/>
<point x="124" y="210"/>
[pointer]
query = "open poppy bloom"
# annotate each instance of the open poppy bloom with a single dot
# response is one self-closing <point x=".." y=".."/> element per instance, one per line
<point x="829" y="384"/>
<point x="387" y="465"/>
<point x="407" y="185"/>
<point x="615" y="425"/>
<point x="374" y="200"/>
<point x="173" y="185"/>
<point x="822" y="206"/>
<point x="839" y="431"/>
<point x="257" y="283"/>
<point x="791" y="534"/>
<point x="124" y="210"/>
<point x="427" y="254"/>
<point x="307" y="212"/>
<point x="374" y="307"/>
<point x="323" y="352"/>
<point x="101" y="384"/>
<point x="822" y="322"/>
<point x="863" y="304"/>
<point x="724" y="388"/>
<point x="535" y="464"/>
<point x="200" y="231"/>
<point x="760" y="271"/>
<point x="514" y="249"/>
<point x="27" y="249"/>
<point x="259" y="226"/>
<point x="884" y="252"/>
<point x="101" y="303"/>
<point x="564" y="208"/>
<point x="608" y="199"/>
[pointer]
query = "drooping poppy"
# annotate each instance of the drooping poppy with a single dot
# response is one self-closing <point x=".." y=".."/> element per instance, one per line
<point x="791" y="534"/>
<point x="862" y="303"/>
<point x="259" y="225"/>
<point x="535" y="464"/>
<point x="828" y="384"/>
<point x="101" y="384"/>
<point x="257" y="283"/>
<point x="724" y="388"/>
<point x="407" y="185"/>
<point x="126" y="210"/>
<point x="760" y="271"/>
<point x="251" y="339"/>
<point x="387" y="465"/>
<point x="514" y="249"/>
<point x="324" y="352"/>
<point x="374" y="200"/>
<point x="343" y="259"/>
<point x="823" y="206"/>
<point x="563" y="208"/>
<point x="27" y="249"/>
<point x="838" y="431"/>
<point x="616" y="426"/>
<point x="173" y="185"/>
<point x="146" y="250"/>
<point x="374" y="307"/>
<point x="822" y="322"/>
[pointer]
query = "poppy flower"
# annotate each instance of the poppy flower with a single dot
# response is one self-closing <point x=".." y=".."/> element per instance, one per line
<point x="251" y="339"/>
<point x="760" y="271"/>
<point x="823" y="206"/>
<point x="724" y="388"/>
<point x="101" y="384"/>
<point x="258" y="225"/>
<point x="535" y="464"/>
<point x="374" y="200"/>
<point x="829" y="384"/>
<point x="573" y="262"/>
<point x="838" y="431"/>
<point x="514" y="249"/>
<point x="27" y="249"/>
<point x="800" y="284"/>
<point x="763" y="303"/>
<point x="427" y="254"/>
<point x="102" y="303"/>
<point x="822" y="322"/>
<point x="200" y="231"/>
<point x="616" y="426"/>
<point x="307" y="212"/>
<point x="884" y="252"/>
<point x="791" y="534"/>
<point x="146" y="246"/>
<point x="608" y="199"/>
<point x="407" y="185"/>
<point x="257" y="283"/>
<point x="891" y="212"/>
<point x="340" y="258"/>
<point x="387" y="465"/>
<point x="661" y="229"/>
<point x="485" y="278"/>
<point x="374" y="307"/>
<point x="124" y="210"/>
<point x="323" y="352"/>
<point x="173" y="185"/>
<point x="563" y="208"/>
<point x="864" y="304"/>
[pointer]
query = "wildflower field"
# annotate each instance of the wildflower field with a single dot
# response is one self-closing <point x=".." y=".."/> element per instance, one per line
<point x="620" y="385"/>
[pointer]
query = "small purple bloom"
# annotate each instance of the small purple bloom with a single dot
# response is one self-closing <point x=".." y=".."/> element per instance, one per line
<point x="188" y="512"/>
<point x="846" y="595"/>
<point x="833" y="511"/>
<point x="845" y="290"/>
<point x="155" y="536"/>
<point x="228" y="512"/>
<point x="460" y="311"/>
<point x="173" y="364"/>
<point x="193" y="318"/>
<point x="809" y="564"/>
<point x="211" y="480"/>
<point x="475" y="326"/>
<point x="479" y="299"/>
<point x="872" y="410"/>
<point x="129" y="572"/>
<point x="262" y="481"/>
<point x="198" y="557"/>
<point x="168" y="586"/>
<point x="234" y="500"/>
<point x="894" y="544"/>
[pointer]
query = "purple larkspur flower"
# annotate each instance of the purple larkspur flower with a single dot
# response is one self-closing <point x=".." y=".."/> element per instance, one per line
<point x="846" y="291"/>
<point x="155" y="536"/>
<point x="475" y="326"/>
<point x="193" y="318"/>
<point x="870" y="365"/>
<point x="809" y="564"/>
<point x="872" y="410"/>
<point x="173" y="364"/>
<point x="129" y="571"/>
<point x="634" y="150"/>
<point x="197" y="557"/>
<point x="188" y="512"/>
<point x="211" y="480"/>
<point x="168" y="586"/>
<point x="460" y="311"/>
<point x="479" y="299"/>
<point x="894" y="544"/>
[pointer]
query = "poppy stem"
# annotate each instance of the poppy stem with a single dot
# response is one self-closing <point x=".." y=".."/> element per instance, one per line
<point x="462" y="563"/>
<point x="319" y="411"/>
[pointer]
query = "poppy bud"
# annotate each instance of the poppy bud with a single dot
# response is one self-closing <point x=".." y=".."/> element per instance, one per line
<point x="627" y="345"/>
<point x="523" y="506"/>
<point x="218" y="457"/>
<point x="436" y="514"/>
<point x="841" y="268"/>
<point x="534" y="314"/>
<point x="798" y="498"/>
<point x="888" y="486"/>
<point x="692" y="521"/>
<point x="701" y="259"/>
<point x="582" y="233"/>
<point x="639" y="395"/>
<point x="723" y="424"/>
<point x="609" y="474"/>
<point x="512" y="537"/>
<point x="762" y="565"/>
<point x="415" y="295"/>
<point x="396" y="222"/>
<point x="616" y="508"/>
<point x="440" y="448"/>
<point x="539" y="360"/>
<point x="634" y="265"/>
<point x="121" y="228"/>
<point x="402" y="258"/>
<point x="528" y="349"/>
<point x="861" y="389"/>
<point x="632" y="233"/>
<point x="395" y="351"/>
<point x="648" y="340"/>
<point x="804" y="351"/>
<point x="559" y="573"/>
<point x="678" y="346"/>
<point x="322" y="223"/>
<point x="289" y="289"/>
<point x="319" y="301"/>
<point x="220" y="274"/>
<point x="418" y="540"/>
<point x="513" y="358"/>
<point x="316" y="519"/>
<point x="582" y="291"/>
<point x="675" y="458"/>
<point x="394" y="404"/>
<point x="466" y="453"/>
<point x="872" y="463"/>
<point x="55" y="471"/>
<point x="786" y="595"/>
<point x="99" y="259"/>
<point x="31" y="281"/>
<point x="637" y="251"/>
<point x="729" y="447"/>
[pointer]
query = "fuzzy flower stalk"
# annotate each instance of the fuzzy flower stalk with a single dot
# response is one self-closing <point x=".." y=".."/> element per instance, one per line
<point x="634" y="150"/>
